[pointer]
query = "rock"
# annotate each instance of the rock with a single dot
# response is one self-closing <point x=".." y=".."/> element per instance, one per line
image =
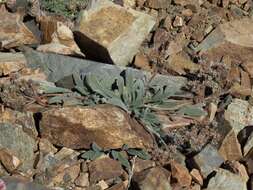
<point x="158" y="4"/>
<point x="13" y="31"/>
<point x="3" y="171"/>
<point x="103" y="169"/>
<point x="11" y="62"/>
<point x="149" y="180"/>
<point x="196" y="176"/>
<point x="249" y="162"/>
<point x="20" y="143"/>
<point x="178" y="21"/>
<point x="249" y="145"/>
<point x="239" y="169"/>
<point x="25" y="119"/>
<point x="119" y="186"/>
<point x="142" y="62"/>
<point x="111" y="33"/>
<point x="62" y="42"/>
<point x="227" y="40"/>
<point x="239" y="114"/>
<point x="79" y="127"/>
<point x="230" y="148"/>
<point x="82" y="180"/>
<point x="181" y="174"/>
<point x="14" y="183"/>
<point x="103" y="185"/>
<point x="208" y="160"/>
<point x="9" y="160"/>
<point x="225" y="3"/>
<point x="225" y="180"/>
<point x="141" y="165"/>
<point x="46" y="147"/>
<point x="167" y="23"/>
<point x="129" y="3"/>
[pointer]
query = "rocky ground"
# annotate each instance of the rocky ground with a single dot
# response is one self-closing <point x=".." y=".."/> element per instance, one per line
<point x="126" y="94"/>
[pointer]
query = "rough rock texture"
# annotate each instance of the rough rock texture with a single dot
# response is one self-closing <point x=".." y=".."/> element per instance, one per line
<point x="11" y="62"/>
<point x="103" y="169"/>
<point x="208" y="160"/>
<point x="152" y="179"/>
<point x="79" y="127"/>
<point x="249" y="145"/>
<point x="20" y="143"/>
<point x="225" y="180"/>
<point x="13" y="31"/>
<point x="111" y="33"/>
<point x="9" y="160"/>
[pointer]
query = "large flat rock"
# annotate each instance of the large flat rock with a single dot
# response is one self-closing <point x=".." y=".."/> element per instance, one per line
<point x="111" y="33"/>
<point x="79" y="127"/>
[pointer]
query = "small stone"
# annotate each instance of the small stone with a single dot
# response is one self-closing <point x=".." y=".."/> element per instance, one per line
<point x="249" y="145"/>
<point x="178" y="21"/>
<point x="82" y="180"/>
<point x="149" y="180"/>
<point x="141" y="165"/>
<point x="225" y="180"/>
<point x="103" y="169"/>
<point x="46" y="147"/>
<point x="167" y="23"/>
<point x="9" y="160"/>
<point x="11" y="62"/>
<point x="230" y="148"/>
<point x="196" y="176"/>
<point x="187" y="12"/>
<point x="20" y="143"/>
<point x="225" y="3"/>
<point x="142" y="62"/>
<point x="129" y="3"/>
<point x="208" y="160"/>
<point x="78" y="127"/>
<point x="181" y="174"/>
<point x="158" y="4"/>
<point x="102" y="184"/>
<point x="119" y="186"/>
<point x="102" y="30"/>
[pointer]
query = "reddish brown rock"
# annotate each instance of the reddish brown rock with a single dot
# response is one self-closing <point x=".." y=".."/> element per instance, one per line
<point x="196" y="176"/>
<point x="181" y="174"/>
<point x="13" y="31"/>
<point x="79" y="127"/>
<point x="9" y="160"/>
<point x="103" y="169"/>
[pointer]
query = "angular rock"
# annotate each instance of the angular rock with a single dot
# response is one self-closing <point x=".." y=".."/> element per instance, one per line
<point x="111" y="33"/>
<point x="9" y="160"/>
<point x="249" y="145"/>
<point x="230" y="148"/>
<point x="18" y="184"/>
<point x="208" y="160"/>
<point x="181" y="174"/>
<point x="25" y="119"/>
<point x="149" y="180"/>
<point x="239" y="169"/>
<point x="46" y="147"/>
<point x="62" y="42"/>
<point x="11" y="62"/>
<point x="196" y="176"/>
<point x="13" y="31"/>
<point x="20" y="143"/>
<point x="141" y="165"/>
<point x="226" y="39"/>
<point x="178" y="21"/>
<point x="158" y="4"/>
<point x="225" y="180"/>
<point x="104" y="169"/>
<point x="82" y="180"/>
<point x="142" y="62"/>
<point x="79" y="127"/>
<point x="119" y="186"/>
<point x="239" y="114"/>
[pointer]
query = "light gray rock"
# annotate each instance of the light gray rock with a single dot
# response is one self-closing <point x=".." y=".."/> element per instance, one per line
<point x="15" y="139"/>
<point x="208" y="160"/>
<point x="225" y="180"/>
<point x="111" y="33"/>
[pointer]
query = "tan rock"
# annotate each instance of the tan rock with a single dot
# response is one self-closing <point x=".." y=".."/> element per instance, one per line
<point x="13" y="31"/>
<point x="11" y="62"/>
<point x="239" y="169"/>
<point x="142" y="62"/>
<point x="227" y="40"/>
<point x="230" y="148"/>
<point x="158" y="4"/>
<point x="102" y="184"/>
<point x="111" y="33"/>
<point x="181" y="174"/>
<point x="9" y="160"/>
<point x="196" y="176"/>
<point x="46" y="147"/>
<point x="148" y="179"/>
<point x="82" y="180"/>
<point x="141" y="165"/>
<point x="129" y="3"/>
<point x="167" y="22"/>
<point x="78" y="127"/>
<point x="62" y="42"/>
<point x="103" y="169"/>
<point x="119" y="186"/>
<point x="178" y="21"/>
<point x="249" y="145"/>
